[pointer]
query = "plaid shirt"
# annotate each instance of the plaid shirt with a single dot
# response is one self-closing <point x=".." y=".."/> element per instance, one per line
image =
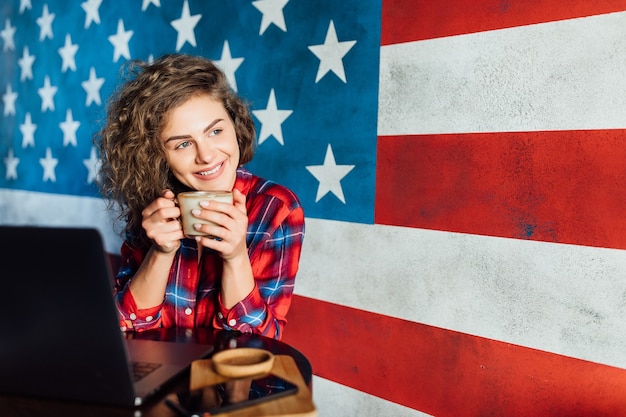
<point x="192" y="298"/>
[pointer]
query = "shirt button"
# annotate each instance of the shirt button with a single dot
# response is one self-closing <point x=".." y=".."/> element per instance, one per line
<point x="188" y="311"/>
<point x="133" y="316"/>
<point x="149" y="318"/>
<point x="220" y="315"/>
<point x="232" y="322"/>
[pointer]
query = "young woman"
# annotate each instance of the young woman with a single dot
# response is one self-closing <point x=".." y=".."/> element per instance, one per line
<point x="174" y="126"/>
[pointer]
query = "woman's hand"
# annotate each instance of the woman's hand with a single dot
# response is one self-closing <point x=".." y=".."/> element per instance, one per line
<point x="228" y="238"/>
<point x="228" y="233"/>
<point x="160" y="221"/>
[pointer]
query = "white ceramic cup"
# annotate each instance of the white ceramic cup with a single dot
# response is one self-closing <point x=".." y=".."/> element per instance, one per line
<point x="190" y="200"/>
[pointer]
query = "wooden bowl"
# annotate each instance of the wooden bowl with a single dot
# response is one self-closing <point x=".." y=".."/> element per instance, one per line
<point x="242" y="362"/>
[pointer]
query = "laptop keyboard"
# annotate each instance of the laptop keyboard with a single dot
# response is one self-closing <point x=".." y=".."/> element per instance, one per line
<point x="141" y="369"/>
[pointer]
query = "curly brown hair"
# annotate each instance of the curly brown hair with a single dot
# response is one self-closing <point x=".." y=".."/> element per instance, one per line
<point x="134" y="169"/>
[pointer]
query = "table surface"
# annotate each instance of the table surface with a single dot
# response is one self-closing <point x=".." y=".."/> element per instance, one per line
<point x="25" y="407"/>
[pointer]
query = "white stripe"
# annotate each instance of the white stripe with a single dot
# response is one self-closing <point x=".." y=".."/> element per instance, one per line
<point x="553" y="76"/>
<point x="19" y="207"/>
<point x="335" y="400"/>
<point x="565" y="299"/>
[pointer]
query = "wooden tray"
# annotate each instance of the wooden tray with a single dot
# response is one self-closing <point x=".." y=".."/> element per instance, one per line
<point x="300" y="404"/>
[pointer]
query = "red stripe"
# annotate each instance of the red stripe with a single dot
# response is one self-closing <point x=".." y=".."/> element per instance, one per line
<point x="558" y="186"/>
<point x="413" y="20"/>
<point x="446" y="373"/>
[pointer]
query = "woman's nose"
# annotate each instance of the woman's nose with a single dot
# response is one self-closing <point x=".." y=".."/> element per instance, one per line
<point x="204" y="152"/>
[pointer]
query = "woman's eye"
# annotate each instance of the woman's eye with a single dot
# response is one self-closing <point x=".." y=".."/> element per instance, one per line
<point x="183" y="144"/>
<point x="215" y="132"/>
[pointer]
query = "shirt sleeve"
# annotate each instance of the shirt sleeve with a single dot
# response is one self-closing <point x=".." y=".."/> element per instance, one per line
<point x="131" y="317"/>
<point x="274" y="255"/>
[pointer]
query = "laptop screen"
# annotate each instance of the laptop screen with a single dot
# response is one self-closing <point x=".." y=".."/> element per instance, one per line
<point x="61" y="337"/>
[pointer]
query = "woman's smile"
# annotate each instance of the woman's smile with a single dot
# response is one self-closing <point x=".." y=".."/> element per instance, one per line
<point x="210" y="171"/>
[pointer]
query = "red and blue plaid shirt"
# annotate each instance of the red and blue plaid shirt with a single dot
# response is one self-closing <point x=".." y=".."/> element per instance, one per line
<point x="192" y="298"/>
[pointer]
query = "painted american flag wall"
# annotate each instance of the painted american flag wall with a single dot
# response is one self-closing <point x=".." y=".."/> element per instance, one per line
<point x="460" y="165"/>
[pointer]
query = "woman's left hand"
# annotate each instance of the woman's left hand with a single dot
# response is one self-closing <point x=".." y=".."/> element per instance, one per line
<point x="227" y="235"/>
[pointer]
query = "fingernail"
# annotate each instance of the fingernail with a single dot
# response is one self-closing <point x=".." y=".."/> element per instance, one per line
<point x="197" y="226"/>
<point x="204" y="204"/>
<point x="196" y="212"/>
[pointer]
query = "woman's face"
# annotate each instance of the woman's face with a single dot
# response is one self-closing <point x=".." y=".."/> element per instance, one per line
<point x="201" y="144"/>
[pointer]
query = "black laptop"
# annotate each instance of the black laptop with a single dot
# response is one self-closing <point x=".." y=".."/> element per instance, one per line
<point x="59" y="326"/>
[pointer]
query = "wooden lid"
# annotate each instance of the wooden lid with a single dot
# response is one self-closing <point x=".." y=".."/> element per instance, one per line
<point x="242" y="362"/>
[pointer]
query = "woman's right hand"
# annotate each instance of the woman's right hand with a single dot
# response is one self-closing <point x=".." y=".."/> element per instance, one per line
<point x="161" y="222"/>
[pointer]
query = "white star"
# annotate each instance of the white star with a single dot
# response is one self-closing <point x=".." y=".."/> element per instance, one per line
<point x="28" y="132"/>
<point x="7" y="36"/>
<point x="120" y="41"/>
<point x="147" y="3"/>
<point x="229" y="65"/>
<point x="11" y="162"/>
<point x="9" y="101"/>
<point x="93" y="166"/>
<point x="67" y="52"/>
<point x="271" y="119"/>
<point x="49" y="163"/>
<point x="330" y="175"/>
<point x="331" y="54"/>
<point x="47" y="93"/>
<point x="92" y="87"/>
<point x="272" y="13"/>
<point x="26" y="65"/>
<point x="25" y="4"/>
<point x="69" y="128"/>
<point x="45" y="24"/>
<point x="91" y="12"/>
<point x="184" y="26"/>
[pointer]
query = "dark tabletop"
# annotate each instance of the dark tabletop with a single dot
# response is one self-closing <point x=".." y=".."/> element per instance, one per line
<point x="26" y="407"/>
